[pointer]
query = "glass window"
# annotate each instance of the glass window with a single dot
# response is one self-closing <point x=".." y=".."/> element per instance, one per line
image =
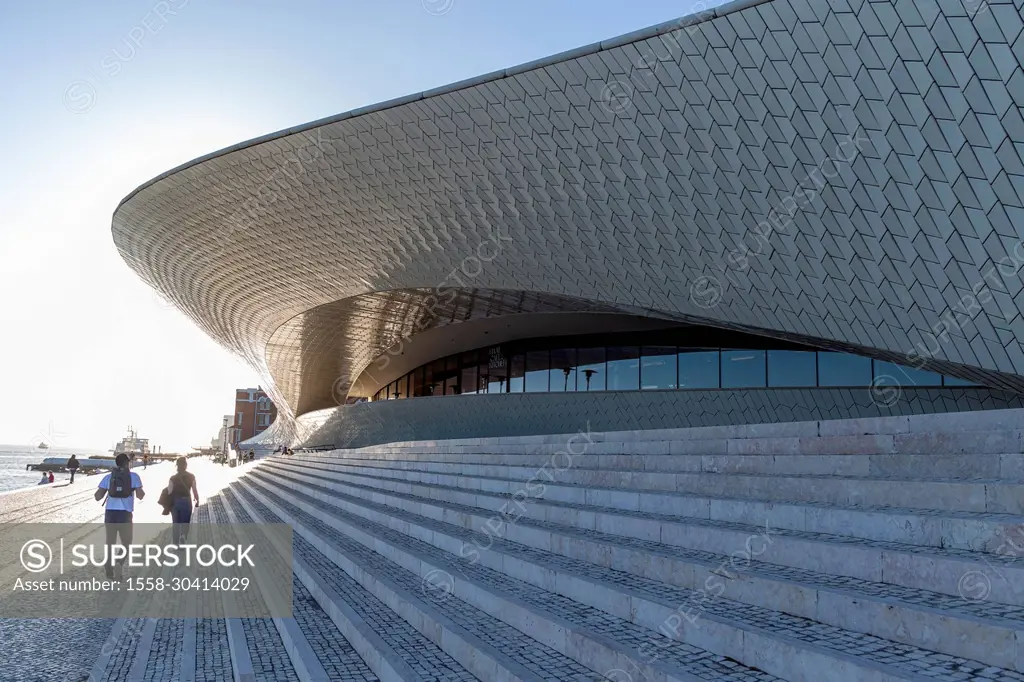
<point x="537" y="371"/>
<point x="843" y="369"/>
<point x="516" y="372"/>
<point x="563" y="370"/>
<point x="624" y="368"/>
<point x="743" y="369"/>
<point x="469" y="379"/>
<point x="428" y="378"/>
<point x="792" y="368"/>
<point x="591" y="373"/>
<point x="891" y="374"/>
<point x="451" y="385"/>
<point x="497" y="370"/>
<point x="496" y="382"/>
<point x="698" y="369"/>
<point x="658" y="367"/>
<point x="418" y="389"/>
<point x="481" y="378"/>
<point x="436" y="375"/>
<point x="956" y="381"/>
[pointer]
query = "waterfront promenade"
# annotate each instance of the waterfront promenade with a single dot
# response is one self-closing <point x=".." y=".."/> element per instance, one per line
<point x="65" y="650"/>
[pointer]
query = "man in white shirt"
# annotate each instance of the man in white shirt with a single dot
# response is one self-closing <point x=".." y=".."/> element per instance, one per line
<point x="120" y="487"/>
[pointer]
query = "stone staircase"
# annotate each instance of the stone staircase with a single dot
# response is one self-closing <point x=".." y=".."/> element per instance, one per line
<point x="881" y="549"/>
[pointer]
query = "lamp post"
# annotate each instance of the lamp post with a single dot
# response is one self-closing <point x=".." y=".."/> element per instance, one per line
<point x="589" y="373"/>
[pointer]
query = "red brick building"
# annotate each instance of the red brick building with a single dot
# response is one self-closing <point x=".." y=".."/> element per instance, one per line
<point x="254" y="412"/>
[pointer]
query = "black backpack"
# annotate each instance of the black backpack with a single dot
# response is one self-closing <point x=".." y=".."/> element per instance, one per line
<point x="120" y="483"/>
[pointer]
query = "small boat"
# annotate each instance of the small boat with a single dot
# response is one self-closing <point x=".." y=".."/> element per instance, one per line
<point x="43" y="446"/>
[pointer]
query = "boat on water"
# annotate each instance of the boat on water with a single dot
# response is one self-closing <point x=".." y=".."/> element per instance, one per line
<point x="86" y="465"/>
<point x="132" y="445"/>
<point x="43" y="446"/>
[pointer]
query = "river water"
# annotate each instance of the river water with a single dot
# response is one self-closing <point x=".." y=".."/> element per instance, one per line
<point x="14" y="459"/>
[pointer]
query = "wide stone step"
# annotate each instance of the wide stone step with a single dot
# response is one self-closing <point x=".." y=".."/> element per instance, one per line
<point x="939" y="432"/>
<point x="485" y="646"/>
<point x="929" y="443"/>
<point x="601" y="642"/>
<point x="931" y="568"/>
<point x="595" y="468"/>
<point x="391" y="646"/>
<point x="319" y="650"/>
<point x="974" y="495"/>
<point x="983" y="631"/>
<point x="792" y="648"/>
<point x="1001" y="534"/>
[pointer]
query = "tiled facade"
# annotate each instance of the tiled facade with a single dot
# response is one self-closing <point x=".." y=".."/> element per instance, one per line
<point x="846" y="173"/>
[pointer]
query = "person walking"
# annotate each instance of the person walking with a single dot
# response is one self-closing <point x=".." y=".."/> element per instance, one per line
<point x="252" y="455"/>
<point x="72" y="466"/>
<point x="145" y="461"/>
<point x="179" y="487"/>
<point x="120" y="487"/>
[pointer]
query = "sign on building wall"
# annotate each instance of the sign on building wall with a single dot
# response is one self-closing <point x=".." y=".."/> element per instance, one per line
<point x="496" y="359"/>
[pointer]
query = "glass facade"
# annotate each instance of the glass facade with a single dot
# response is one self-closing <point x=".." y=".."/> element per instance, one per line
<point x="542" y="365"/>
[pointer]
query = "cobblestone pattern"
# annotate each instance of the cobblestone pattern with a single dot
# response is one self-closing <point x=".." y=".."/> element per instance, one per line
<point x="164" y="663"/>
<point x="422" y="655"/>
<point x="213" y="658"/>
<point x="339" y="660"/>
<point x="526" y="414"/>
<point x="269" y="657"/>
<point x="124" y="652"/>
<point x="27" y="653"/>
<point x="905" y="657"/>
<point x="988" y="610"/>
<point x="26" y="648"/>
<point x="689" y="658"/>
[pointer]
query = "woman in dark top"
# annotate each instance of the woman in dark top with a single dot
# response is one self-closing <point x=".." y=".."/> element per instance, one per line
<point x="179" y="487"/>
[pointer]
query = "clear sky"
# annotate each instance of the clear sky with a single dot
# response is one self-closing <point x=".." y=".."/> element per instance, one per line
<point x="98" y="97"/>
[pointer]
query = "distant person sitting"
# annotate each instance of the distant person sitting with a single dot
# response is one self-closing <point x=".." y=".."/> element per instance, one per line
<point x="121" y="487"/>
<point x="44" y="480"/>
<point x="72" y="466"/>
<point x="50" y="477"/>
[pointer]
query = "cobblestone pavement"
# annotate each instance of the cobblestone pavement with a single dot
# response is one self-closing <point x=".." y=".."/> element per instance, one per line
<point x="339" y="660"/>
<point x="27" y="647"/>
<point x="422" y="655"/>
<point x="524" y="650"/>
<point x="269" y="656"/>
<point x="988" y="610"/>
<point x="905" y="657"/>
